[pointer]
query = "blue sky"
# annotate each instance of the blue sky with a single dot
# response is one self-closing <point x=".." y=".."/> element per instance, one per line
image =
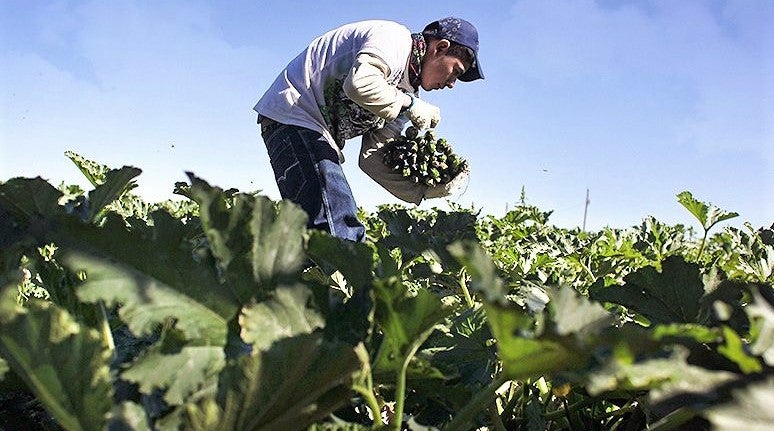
<point x="635" y="101"/>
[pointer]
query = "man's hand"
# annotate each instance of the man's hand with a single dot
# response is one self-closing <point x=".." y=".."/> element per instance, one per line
<point x="423" y="115"/>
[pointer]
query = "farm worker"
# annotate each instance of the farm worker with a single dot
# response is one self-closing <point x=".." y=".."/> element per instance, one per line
<point x="361" y="79"/>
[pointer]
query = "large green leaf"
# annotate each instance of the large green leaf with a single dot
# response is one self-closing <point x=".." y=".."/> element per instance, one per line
<point x="708" y="215"/>
<point x="268" y="388"/>
<point x="179" y="369"/>
<point x="227" y="229"/>
<point x="451" y="227"/>
<point x="349" y="315"/>
<point x="463" y="348"/>
<point x="116" y="182"/>
<point x="528" y="356"/>
<point x="353" y="259"/>
<point x="157" y="274"/>
<point x="570" y="339"/>
<point x="406" y="321"/>
<point x="672" y="295"/>
<point x="523" y="353"/>
<point x="414" y="234"/>
<point x="287" y="313"/>
<point x="147" y="302"/>
<point x="64" y="363"/>
<point x="25" y="197"/>
<point x="248" y="235"/>
<point x="278" y="247"/>
<point x="293" y="384"/>
<point x="402" y="232"/>
<point x="151" y="273"/>
<point x="93" y="171"/>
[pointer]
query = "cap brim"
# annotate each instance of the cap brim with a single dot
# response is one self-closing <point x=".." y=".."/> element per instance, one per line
<point x="472" y="74"/>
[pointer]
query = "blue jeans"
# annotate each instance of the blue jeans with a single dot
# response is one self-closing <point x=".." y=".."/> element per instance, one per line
<point x="308" y="172"/>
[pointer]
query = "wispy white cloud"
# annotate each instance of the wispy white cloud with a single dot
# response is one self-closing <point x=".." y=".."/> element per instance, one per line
<point x="153" y="79"/>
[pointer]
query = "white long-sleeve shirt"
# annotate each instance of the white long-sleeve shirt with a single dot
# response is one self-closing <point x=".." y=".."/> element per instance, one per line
<point x="344" y="83"/>
<point x="350" y="82"/>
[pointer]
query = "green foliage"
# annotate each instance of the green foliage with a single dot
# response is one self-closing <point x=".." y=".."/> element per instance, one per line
<point x="222" y="312"/>
<point x="707" y="214"/>
<point x="406" y="321"/>
<point x="169" y="283"/>
<point x="672" y="295"/>
<point x="292" y="384"/>
<point x="61" y="361"/>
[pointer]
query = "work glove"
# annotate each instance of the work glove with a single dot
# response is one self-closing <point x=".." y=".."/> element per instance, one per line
<point x="445" y="189"/>
<point x="423" y="115"/>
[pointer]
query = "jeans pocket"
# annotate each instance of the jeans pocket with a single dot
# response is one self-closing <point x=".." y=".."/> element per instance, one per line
<point x="288" y="171"/>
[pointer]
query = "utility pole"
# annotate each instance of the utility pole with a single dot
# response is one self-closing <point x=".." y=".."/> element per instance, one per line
<point x="586" y="209"/>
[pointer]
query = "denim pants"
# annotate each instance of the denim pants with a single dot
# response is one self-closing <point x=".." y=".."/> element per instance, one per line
<point x="308" y="172"/>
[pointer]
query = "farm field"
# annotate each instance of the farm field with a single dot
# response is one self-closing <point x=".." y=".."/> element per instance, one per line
<point x="221" y="311"/>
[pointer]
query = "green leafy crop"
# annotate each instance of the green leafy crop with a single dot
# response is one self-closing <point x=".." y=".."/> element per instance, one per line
<point x="223" y="312"/>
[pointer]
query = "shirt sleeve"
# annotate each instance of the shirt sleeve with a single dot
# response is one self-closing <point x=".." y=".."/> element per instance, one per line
<point x="366" y="84"/>
<point x="371" y="162"/>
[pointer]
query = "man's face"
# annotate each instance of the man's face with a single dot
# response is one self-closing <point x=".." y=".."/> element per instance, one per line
<point x="440" y="70"/>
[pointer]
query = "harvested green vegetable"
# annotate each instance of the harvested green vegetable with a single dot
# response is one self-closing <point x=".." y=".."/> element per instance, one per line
<point x="423" y="159"/>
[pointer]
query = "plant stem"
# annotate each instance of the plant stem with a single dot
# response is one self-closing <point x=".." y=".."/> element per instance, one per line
<point x="587" y="269"/>
<point x="400" y="395"/>
<point x="373" y="404"/>
<point x="464" y="287"/>
<point x="701" y="245"/>
<point x="476" y="405"/>
<point x="572" y="407"/>
<point x="107" y="334"/>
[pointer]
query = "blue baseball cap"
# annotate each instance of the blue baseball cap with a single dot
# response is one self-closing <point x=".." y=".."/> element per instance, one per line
<point x="462" y="32"/>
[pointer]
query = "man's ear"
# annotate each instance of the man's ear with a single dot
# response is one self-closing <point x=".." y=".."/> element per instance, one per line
<point x="442" y="46"/>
